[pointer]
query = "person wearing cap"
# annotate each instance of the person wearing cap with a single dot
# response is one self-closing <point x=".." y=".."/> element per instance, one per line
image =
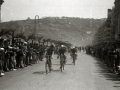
<point x="74" y="51"/>
<point x="62" y="51"/>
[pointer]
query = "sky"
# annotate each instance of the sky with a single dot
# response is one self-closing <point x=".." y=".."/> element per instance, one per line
<point x="22" y="9"/>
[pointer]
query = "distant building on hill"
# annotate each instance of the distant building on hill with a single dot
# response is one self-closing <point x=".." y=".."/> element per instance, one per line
<point x="28" y="18"/>
<point x="88" y="32"/>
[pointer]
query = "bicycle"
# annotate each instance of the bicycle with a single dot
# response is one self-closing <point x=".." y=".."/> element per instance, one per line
<point x="62" y="62"/>
<point x="74" y="58"/>
<point x="48" y="64"/>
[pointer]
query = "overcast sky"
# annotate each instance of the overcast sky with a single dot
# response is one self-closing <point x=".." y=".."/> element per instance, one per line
<point x="22" y="9"/>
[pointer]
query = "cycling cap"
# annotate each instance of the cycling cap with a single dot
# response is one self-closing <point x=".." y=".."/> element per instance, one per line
<point x="62" y="45"/>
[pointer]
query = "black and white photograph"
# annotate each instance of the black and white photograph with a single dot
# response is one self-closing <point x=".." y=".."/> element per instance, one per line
<point x="59" y="44"/>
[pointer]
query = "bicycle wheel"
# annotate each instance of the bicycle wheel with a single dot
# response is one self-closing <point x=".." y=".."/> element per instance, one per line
<point x="63" y="66"/>
<point x="50" y="63"/>
<point x="46" y="67"/>
<point x="61" y="63"/>
<point x="74" y="59"/>
<point x="50" y="66"/>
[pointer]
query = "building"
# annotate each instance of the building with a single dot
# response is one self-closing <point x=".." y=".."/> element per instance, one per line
<point x="117" y="20"/>
<point x="110" y="31"/>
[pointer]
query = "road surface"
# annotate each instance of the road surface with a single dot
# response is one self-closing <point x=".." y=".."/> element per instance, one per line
<point x="89" y="73"/>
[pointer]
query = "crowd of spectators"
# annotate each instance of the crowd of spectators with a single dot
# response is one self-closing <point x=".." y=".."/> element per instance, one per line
<point x="108" y="53"/>
<point x="18" y="54"/>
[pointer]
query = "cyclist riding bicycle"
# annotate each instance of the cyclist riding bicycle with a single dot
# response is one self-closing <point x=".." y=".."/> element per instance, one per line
<point x="49" y="52"/>
<point x="74" y="52"/>
<point x="62" y="51"/>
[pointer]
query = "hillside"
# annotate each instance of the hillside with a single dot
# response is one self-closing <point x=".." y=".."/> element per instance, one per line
<point x="78" y="31"/>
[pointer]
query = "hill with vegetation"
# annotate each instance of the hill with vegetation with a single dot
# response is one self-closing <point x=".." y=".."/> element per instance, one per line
<point x="77" y="31"/>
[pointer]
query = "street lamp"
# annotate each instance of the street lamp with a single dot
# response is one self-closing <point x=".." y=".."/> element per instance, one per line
<point x="35" y="24"/>
<point x="35" y="27"/>
<point x="1" y="2"/>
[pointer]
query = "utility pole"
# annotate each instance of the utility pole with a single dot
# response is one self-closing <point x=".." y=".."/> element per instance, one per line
<point x="35" y="24"/>
<point x="1" y="2"/>
<point x="35" y="28"/>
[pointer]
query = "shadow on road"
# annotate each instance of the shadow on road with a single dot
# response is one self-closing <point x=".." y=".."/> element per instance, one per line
<point x="39" y="72"/>
<point x="116" y="86"/>
<point x="57" y="70"/>
<point x="55" y="64"/>
<point x="43" y="72"/>
<point x="69" y="64"/>
<point x="65" y="64"/>
<point x="104" y="70"/>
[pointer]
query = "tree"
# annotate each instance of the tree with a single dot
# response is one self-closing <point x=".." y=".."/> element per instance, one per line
<point x="12" y="25"/>
<point x="20" y="35"/>
<point x="29" y="37"/>
<point x="12" y="34"/>
<point x="12" y="28"/>
<point x="4" y="32"/>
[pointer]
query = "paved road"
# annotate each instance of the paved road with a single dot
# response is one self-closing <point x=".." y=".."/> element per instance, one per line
<point x="89" y="73"/>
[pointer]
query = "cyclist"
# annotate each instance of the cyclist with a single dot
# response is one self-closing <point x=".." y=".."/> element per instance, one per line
<point x="49" y="52"/>
<point x="74" y="52"/>
<point x="62" y="50"/>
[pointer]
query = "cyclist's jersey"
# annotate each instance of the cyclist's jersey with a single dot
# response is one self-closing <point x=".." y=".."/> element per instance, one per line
<point x="73" y="50"/>
<point x="49" y="51"/>
<point x="62" y="51"/>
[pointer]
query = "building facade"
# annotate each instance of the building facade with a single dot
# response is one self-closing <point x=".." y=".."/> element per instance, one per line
<point x="117" y="19"/>
<point x="110" y="31"/>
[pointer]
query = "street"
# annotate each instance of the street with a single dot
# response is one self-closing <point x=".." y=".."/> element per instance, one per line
<point x="89" y="73"/>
